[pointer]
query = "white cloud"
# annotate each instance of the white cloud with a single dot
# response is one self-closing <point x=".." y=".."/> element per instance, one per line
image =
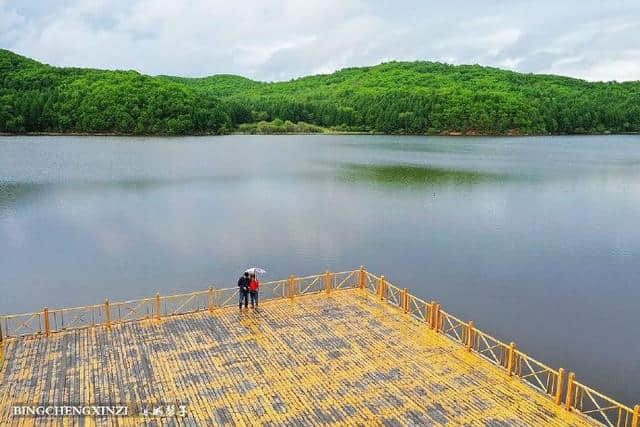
<point x="623" y="69"/>
<point x="276" y="40"/>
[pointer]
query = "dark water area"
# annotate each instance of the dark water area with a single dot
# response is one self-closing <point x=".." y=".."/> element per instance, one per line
<point x="535" y="239"/>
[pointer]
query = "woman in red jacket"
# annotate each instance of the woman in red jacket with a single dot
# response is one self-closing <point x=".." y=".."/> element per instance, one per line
<point x="254" y="285"/>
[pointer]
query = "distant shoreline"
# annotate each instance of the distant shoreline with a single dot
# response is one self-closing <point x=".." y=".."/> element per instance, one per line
<point x="445" y="134"/>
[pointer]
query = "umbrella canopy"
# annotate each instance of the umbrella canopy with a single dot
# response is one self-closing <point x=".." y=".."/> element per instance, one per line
<point x="255" y="270"/>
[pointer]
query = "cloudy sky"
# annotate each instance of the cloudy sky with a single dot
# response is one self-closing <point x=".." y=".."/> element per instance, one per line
<point x="279" y="40"/>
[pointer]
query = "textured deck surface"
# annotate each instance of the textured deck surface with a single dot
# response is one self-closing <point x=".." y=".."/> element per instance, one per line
<point x="338" y="359"/>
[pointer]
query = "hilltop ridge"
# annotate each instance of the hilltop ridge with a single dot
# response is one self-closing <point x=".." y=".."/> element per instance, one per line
<point x="417" y="97"/>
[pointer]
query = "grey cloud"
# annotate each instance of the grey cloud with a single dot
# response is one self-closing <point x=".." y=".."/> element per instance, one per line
<point x="279" y="40"/>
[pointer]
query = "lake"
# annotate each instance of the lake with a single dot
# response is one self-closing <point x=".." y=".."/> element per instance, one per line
<point x="535" y="239"/>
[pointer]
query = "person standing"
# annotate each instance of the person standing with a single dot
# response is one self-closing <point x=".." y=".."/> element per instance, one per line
<point x="254" y="285"/>
<point x="243" y="290"/>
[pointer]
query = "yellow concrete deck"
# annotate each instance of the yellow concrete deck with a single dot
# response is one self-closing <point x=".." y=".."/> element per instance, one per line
<point x="340" y="359"/>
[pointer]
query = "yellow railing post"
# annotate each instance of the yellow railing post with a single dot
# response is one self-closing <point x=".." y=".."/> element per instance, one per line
<point x="47" y="326"/>
<point x="292" y="287"/>
<point x="383" y="289"/>
<point x="571" y="391"/>
<point x="327" y="282"/>
<point x="512" y="358"/>
<point x="560" y="386"/>
<point x="212" y="301"/>
<point x="438" y="317"/>
<point x="432" y="315"/>
<point x="158" y="313"/>
<point x="636" y="416"/>
<point x="107" y="313"/>
<point x="361" y="280"/>
<point x="405" y="300"/>
<point x="470" y="335"/>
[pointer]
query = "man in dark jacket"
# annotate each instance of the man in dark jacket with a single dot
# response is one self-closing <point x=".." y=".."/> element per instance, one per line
<point x="243" y="290"/>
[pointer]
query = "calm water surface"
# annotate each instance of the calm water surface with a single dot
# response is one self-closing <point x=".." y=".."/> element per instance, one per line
<point x="535" y="239"/>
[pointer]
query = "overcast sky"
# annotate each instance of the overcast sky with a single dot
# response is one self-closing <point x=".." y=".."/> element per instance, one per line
<point x="279" y="40"/>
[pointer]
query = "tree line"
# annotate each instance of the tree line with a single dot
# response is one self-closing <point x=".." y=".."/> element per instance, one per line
<point x="396" y="97"/>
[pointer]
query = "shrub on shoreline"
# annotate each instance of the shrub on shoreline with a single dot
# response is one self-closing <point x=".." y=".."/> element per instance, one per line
<point x="278" y="126"/>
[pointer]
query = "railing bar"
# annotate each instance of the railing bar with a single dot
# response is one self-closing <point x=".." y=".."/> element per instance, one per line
<point x="453" y="328"/>
<point x="597" y="406"/>
<point x="344" y="280"/>
<point x="493" y="361"/>
<point x="537" y="362"/>
<point x="176" y="311"/>
<point x="484" y="334"/>
<point x="600" y="409"/>
<point x="532" y="374"/>
<point x="26" y="322"/>
<point x="83" y="307"/>
<point x="460" y="325"/>
<point x="73" y="320"/>
<point x="230" y="297"/>
<point x="600" y="395"/>
<point x="490" y="348"/>
<point x="535" y="376"/>
<point x="311" y="284"/>
<point x="13" y="316"/>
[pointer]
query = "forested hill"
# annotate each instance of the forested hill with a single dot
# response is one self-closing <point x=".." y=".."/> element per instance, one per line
<point x="394" y="97"/>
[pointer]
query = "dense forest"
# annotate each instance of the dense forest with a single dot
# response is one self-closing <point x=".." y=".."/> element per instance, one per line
<point x="394" y="97"/>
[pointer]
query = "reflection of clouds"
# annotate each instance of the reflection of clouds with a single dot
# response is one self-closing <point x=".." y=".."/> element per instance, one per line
<point x="112" y="241"/>
<point x="213" y="220"/>
<point x="270" y="214"/>
<point x="290" y="210"/>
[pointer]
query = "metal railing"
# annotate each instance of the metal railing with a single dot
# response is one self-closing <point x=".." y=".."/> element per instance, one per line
<point x="576" y="396"/>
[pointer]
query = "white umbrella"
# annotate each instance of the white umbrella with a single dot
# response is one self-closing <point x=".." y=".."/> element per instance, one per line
<point x="255" y="270"/>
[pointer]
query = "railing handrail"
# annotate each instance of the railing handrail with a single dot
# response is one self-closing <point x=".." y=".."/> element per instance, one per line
<point x="536" y="361"/>
<point x="491" y="337"/>
<point x="602" y="396"/>
<point x="185" y="294"/>
<point x="457" y="330"/>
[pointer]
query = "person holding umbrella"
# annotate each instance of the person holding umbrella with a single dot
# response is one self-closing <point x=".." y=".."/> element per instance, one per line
<point x="254" y="284"/>
<point x="243" y="291"/>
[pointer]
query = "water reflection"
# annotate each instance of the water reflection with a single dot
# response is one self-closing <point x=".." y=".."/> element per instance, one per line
<point x="403" y="175"/>
<point x="12" y="193"/>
